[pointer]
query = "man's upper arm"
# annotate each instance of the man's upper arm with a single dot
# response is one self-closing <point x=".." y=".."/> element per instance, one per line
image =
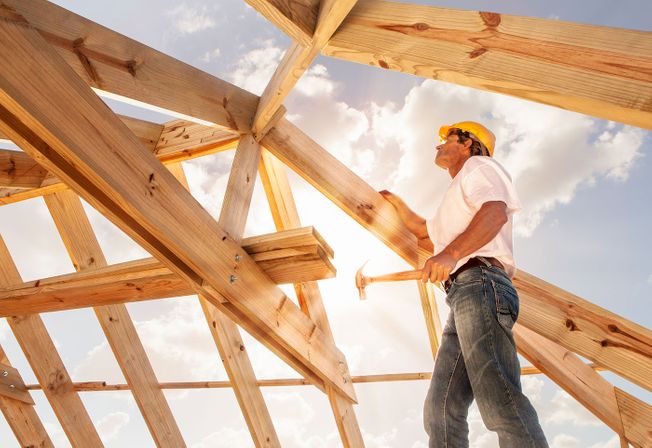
<point x="487" y="184"/>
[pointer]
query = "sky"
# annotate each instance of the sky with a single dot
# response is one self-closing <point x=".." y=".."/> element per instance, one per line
<point x="583" y="182"/>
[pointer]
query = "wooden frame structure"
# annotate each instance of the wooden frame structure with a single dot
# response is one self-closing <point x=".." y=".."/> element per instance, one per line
<point x="74" y="146"/>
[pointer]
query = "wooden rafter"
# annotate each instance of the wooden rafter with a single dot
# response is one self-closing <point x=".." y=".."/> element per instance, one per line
<point x="588" y="387"/>
<point x="43" y="357"/>
<point x="296" y="18"/>
<point x="277" y="189"/>
<point x="86" y="254"/>
<point x="56" y="118"/>
<point x="111" y="62"/>
<point x="225" y="333"/>
<point x="607" y="341"/>
<point x="595" y="70"/>
<point x="23" y="419"/>
<point x="296" y="60"/>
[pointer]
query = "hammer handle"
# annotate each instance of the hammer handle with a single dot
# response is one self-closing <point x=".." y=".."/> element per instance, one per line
<point x="397" y="276"/>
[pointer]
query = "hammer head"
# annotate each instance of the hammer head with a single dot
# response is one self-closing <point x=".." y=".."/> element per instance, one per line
<point x="361" y="282"/>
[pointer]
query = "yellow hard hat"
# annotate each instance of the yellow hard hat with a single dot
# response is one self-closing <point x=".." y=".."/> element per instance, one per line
<point x="480" y="132"/>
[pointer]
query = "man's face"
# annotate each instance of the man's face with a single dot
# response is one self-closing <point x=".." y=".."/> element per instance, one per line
<point x="450" y="152"/>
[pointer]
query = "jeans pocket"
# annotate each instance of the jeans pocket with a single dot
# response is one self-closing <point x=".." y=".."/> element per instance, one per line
<point x="507" y="306"/>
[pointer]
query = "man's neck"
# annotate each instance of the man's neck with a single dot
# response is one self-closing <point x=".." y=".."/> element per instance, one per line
<point x="453" y="170"/>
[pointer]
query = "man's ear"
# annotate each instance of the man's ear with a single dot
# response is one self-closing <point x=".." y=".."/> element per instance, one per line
<point x="468" y="142"/>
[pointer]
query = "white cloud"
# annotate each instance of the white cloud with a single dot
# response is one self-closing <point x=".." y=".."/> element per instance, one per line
<point x="210" y="55"/>
<point x="565" y="441"/>
<point x="316" y="82"/>
<point x="189" y="19"/>
<point x="564" y="409"/>
<point x="110" y="426"/>
<point x="226" y="438"/>
<point x="551" y="153"/>
<point x="614" y="442"/>
<point x="256" y="67"/>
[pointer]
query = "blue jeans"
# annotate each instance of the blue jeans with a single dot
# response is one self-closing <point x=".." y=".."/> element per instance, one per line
<point x="477" y="359"/>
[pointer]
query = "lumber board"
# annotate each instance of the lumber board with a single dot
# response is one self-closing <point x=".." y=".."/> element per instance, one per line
<point x="86" y="254"/>
<point x="51" y="373"/>
<point x="111" y="62"/>
<point x="57" y="118"/>
<point x="608" y="340"/>
<point x="595" y="70"/>
<point x="149" y="279"/>
<point x="233" y="217"/>
<point x="637" y="418"/>
<point x="12" y="385"/>
<point x="296" y="18"/>
<point x="295" y="62"/>
<point x="23" y="419"/>
<point x="622" y="412"/>
<point x="277" y="190"/>
<point x="19" y="171"/>
<point x="430" y="310"/>
<point x="619" y="344"/>
<point x="103" y="386"/>
<point x="179" y="140"/>
<point x="183" y="140"/>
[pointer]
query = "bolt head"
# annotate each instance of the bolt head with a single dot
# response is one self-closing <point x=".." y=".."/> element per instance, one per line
<point x="5" y="373"/>
<point x="232" y="279"/>
<point x="237" y="257"/>
<point x="12" y="387"/>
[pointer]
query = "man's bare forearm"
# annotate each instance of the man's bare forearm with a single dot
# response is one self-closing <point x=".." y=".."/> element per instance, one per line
<point x="483" y="228"/>
<point x="415" y="223"/>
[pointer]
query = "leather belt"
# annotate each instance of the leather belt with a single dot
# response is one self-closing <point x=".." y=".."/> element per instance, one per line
<point x="472" y="263"/>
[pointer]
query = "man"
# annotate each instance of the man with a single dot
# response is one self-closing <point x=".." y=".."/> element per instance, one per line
<point x="472" y="237"/>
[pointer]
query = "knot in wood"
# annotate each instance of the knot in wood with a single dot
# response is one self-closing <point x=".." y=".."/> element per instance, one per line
<point x="421" y="26"/>
<point x="491" y="19"/>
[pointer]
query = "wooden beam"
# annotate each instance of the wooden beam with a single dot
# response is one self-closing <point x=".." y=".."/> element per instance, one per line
<point x="277" y="189"/>
<point x="607" y="339"/>
<point x="619" y="344"/>
<point x="23" y="419"/>
<point x="86" y="254"/>
<point x="111" y="62"/>
<point x="185" y="140"/>
<point x="588" y="387"/>
<point x="296" y="61"/>
<point x="430" y="310"/>
<point x="287" y="257"/>
<point x="179" y="140"/>
<point x="18" y="170"/>
<point x="51" y="373"/>
<point x="102" y="386"/>
<point x="233" y="217"/>
<point x="296" y="18"/>
<point x="595" y="70"/>
<point x="57" y="119"/>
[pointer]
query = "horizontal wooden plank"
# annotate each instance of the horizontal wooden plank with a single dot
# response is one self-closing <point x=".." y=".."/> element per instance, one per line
<point x="187" y="143"/>
<point x="149" y="279"/>
<point x="183" y="140"/>
<point x="595" y="70"/>
<point x="18" y="170"/>
<point x="111" y="62"/>
<point x="579" y="326"/>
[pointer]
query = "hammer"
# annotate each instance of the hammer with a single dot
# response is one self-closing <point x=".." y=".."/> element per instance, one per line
<point x="361" y="281"/>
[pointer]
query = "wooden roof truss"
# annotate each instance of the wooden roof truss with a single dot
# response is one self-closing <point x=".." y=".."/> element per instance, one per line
<point x="129" y="170"/>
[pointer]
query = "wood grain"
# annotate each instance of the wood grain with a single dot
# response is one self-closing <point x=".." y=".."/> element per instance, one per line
<point x="595" y="70"/>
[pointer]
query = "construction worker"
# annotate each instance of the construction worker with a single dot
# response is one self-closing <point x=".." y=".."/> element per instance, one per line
<point x="472" y="238"/>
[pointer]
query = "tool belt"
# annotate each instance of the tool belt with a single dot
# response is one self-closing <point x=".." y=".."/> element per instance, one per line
<point x="472" y="263"/>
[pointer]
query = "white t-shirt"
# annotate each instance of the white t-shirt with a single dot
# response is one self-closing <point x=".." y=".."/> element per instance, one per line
<point x="480" y="180"/>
